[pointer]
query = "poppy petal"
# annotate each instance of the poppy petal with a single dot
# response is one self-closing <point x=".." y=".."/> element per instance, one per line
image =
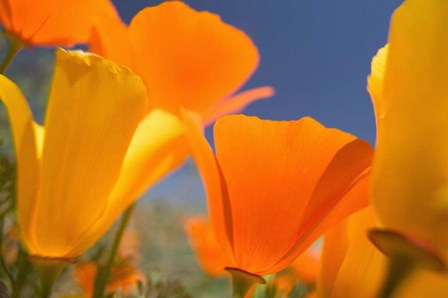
<point x="189" y="58"/>
<point x="375" y="80"/>
<point x="271" y="169"/>
<point x="25" y="145"/>
<point x="157" y="147"/>
<point x="110" y="39"/>
<point x="94" y="108"/>
<point x="236" y="103"/>
<point x="362" y="270"/>
<point x="54" y="23"/>
<point x="412" y="128"/>
<point x="214" y="183"/>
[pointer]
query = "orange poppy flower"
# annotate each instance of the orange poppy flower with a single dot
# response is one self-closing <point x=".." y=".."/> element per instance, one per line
<point x="53" y="23"/>
<point x="275" y="187"/>
<point x="185" y="57"/>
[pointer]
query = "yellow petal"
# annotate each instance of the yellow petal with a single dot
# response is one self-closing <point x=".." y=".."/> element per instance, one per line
<point x="94" y="109"/>
<point x="375" y="81"/>
<point x="363" y="269"/>
<point x="334" y="249"/>
<point x="352" y="267"/>
<point x="410" y="176"/>
<point x="157" y="147"/>
<point x="423" y="283"/>
<point x="25" y="148"/>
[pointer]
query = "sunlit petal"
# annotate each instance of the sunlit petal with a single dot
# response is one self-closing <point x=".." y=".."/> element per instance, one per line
<point x="94" y="108"/>
<point x="157" y="147"/>
<point x="214" y="183"/>
<point x="25" y="144"/>
<point x="189" y="58"/>
<point x="272" y="169"/>
<point x="412" y="141"/>
<point x="236" y="103"/>
<point x="110" y="39"/>
<point x="53" y="23"/>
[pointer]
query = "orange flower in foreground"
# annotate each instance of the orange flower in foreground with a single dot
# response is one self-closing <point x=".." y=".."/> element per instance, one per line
<point x="186" y="58"/>
<point x="275" y="187"/>
<point x="53" y="23"/>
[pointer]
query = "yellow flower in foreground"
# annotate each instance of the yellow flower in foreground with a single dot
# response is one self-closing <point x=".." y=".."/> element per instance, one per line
<point x="410" y="94"/>
<point x="53" y="23"/>
<point x="96" y="153"/>
<point x="352" y="267"/>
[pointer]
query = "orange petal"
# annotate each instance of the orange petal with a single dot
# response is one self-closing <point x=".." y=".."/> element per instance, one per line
<point x="53" y="23"/>
<point x="214" y="183"/>
<point x="85" y="275"/>
<point x="189" y="58"/>
<point x="236" y="103"/>
<point x="334" y="249"/>
<point x="209" y="253"/>
<point x="5" y="14"/>
<point x="273" y="170"/>
<point x="306" y="266"/>
<point x="110" y="39"/>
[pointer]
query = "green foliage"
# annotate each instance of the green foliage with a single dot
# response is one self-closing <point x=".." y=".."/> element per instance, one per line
<point x="158" y="287"/>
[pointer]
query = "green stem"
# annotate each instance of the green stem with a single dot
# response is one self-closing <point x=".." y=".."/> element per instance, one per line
<point x="242" y="281"/>
<point x="399" y="268"/>
<point x="14" y="47"/>
<point x="104" y="275"/>
<point x="2" y="261"/>
<point x="48" y="270"/>
<point x="23" y="269"/>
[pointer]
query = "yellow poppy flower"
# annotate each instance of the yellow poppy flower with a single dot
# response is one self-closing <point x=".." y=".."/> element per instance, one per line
<point x="97" y="152"/>
<point x="410" y="95"/>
